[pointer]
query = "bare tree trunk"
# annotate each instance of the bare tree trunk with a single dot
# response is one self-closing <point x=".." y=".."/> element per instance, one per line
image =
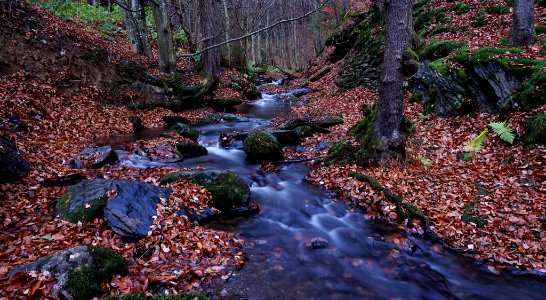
<point x="135" y="24"/>
<point x="167" y="58"/>
<point x="227" y="29"/>
<point x="523" y="24"/>
<point x="208" y="16"/>
<point x="390" y="113"/>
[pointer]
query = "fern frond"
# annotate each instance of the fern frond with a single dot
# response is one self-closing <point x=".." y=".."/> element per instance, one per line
<point x="476" y="144"/>
<point x="505" y="132"/>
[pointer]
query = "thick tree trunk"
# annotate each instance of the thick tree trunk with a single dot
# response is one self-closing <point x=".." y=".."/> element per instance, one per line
<point x="208" y="12"/>
<point x="523" y="24"/>
<point x="387" y="126"/>
<point x="167" y="58"/>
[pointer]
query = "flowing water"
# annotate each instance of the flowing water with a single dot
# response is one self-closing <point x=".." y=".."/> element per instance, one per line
<point x="363" y="259"/>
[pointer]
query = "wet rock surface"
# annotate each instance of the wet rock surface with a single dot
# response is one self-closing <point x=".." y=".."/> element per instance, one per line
<point x="95" y="158"/>
<point x="131" y="211"/>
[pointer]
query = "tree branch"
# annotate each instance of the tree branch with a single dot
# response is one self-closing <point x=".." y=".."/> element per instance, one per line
<point x="254" y="32"/>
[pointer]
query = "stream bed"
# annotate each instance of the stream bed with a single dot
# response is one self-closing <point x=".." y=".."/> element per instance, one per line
<point x="351" y="258"/>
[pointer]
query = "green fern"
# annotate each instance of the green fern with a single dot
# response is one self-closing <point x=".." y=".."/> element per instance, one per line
<point x="476" y="144"/>
<point x="505" y="132"/>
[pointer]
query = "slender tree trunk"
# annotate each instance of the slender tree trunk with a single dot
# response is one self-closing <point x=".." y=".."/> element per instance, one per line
<point x="523" y="23"/>
<point x="167" y="58"/>
<point x="390" y="113"/>
<point x="135" y="25"/>
<point x="227" y="29"/>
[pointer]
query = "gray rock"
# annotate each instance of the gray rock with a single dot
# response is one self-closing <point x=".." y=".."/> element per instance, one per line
<point x="59" y="264"/>
<point x="200" y="217"/>
<point x="493" y="87"/>
<point x="445" y="92"/>
<point x="12" y="164"/>
<point x="96" y="158"/>
<point x="130" y="213"/>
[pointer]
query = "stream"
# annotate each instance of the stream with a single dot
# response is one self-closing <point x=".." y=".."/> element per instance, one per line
<point x="361" y="260"/>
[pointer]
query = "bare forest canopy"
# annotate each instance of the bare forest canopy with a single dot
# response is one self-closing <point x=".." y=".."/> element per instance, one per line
<point x="231" y="33"/>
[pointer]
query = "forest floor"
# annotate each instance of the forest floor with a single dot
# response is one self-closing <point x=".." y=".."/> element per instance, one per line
<point x="431" y="177"/>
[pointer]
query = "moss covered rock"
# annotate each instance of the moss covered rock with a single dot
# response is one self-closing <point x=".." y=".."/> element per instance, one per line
<point x="79" y="270"/>
<point x="328" y="121"/>
<point x="189" y="150"/>
<point x="185" y="131"/>
<point x="303" y="131"/>
<point x="84" y="201"/>
<point x="260" y="146"/>
<point x="228" y="190"/>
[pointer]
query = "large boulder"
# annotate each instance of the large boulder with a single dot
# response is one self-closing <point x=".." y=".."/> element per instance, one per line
<point x="96" y="158"/>
<point x="185" y="131"/>
<point x="84" y="201"/>
<point x="189" y="150"/>
<point x="79" y="270"/>
<point x="445" y="92"/>
<point x="228" y="190"/>
<point x="493" y="87"/>
<point x="131" y="211"/>
<point x="12" y="164"/>
<point x="260" y="146"/>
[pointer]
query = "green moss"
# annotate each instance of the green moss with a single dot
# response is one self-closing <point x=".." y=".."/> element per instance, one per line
<point x="84" y="283"/>
<point x="439" y="66"/>
<point x="535" y="129"/>
<point x="416" y="98"/>
<point x="460" y="8"/>
<point x="532" y="93"/>
<point x="540" y="29"/>
<point x="181" y="296"/>
<point x="185" y="131"/>
<point x="479" y="20"/>
<point x="228" y="191"/>
<point x="469" y="215"/>
<point x="488" y="54"/>
<point x="499" y="9"/>
<point x="403" y="209"/>
<point x="304" y="131"/>
<point x="260" y="146"/>
<point x="422" y="20"/>
<point x="365" y="110"/>
<point x="82" y="213"/>
<point x="438" y="49"/>
<point x="460" y="56"/>
<point x="420" y="4"/>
